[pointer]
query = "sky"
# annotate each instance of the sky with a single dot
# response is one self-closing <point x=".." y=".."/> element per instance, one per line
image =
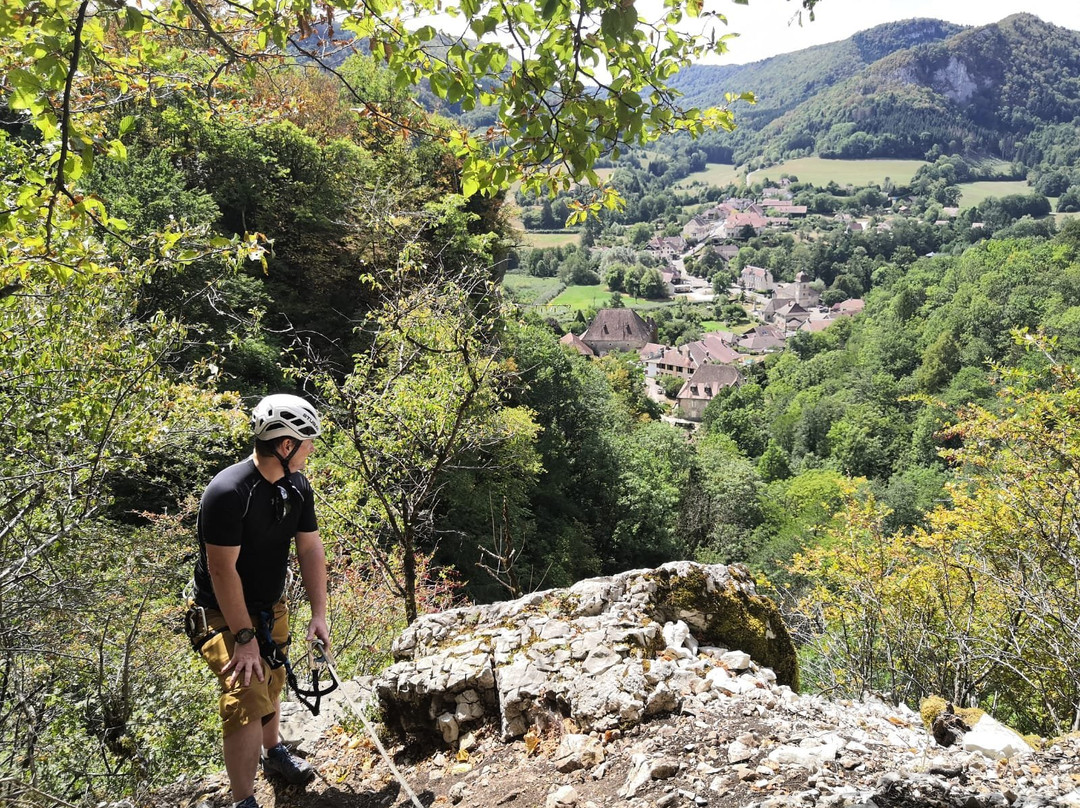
<point x="765" y="28"/>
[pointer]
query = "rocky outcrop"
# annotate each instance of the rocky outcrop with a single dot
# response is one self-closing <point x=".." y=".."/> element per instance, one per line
<point x="643" y="690"/>
<point x="954" y="81"/>
<point x="604" y="653"/>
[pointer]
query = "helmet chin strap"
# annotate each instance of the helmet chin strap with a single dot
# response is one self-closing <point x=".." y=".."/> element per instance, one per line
<point x="285" y="460"/>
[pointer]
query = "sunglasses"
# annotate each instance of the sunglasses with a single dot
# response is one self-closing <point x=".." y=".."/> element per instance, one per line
<point x="282" y="503"/>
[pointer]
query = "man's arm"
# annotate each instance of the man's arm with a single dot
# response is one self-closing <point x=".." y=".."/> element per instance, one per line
<point x="229" y="591"/>
<point x="312" y="558"/>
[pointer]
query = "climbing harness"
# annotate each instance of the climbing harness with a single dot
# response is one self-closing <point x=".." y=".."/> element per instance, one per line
<point x="320" y="660"/>
<point x="276" y="658"/>
<point x="329" y="661"/>
<point x="196" y="627"/>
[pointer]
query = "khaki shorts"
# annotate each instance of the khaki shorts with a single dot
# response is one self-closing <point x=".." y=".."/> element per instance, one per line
<point x="240" y="705"/>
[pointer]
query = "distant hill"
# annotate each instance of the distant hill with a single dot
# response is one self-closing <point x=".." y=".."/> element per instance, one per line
<point x="783" y="82"/>
<point x="912" y="89"/>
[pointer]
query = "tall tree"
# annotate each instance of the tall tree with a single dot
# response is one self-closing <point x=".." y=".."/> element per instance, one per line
<point x="421" y="402"/>
<point x="569" y="82"/>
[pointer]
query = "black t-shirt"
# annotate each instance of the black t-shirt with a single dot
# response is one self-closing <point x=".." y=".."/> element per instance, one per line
<point x="238" y="510"/>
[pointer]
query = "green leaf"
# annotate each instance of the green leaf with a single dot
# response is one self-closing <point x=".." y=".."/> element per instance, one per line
<point x="26" y="89"/>
<point x="133" y="19"/>
<point x="117" y="150"/>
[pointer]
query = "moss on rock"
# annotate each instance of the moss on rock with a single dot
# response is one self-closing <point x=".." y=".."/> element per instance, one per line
<point x="731" y="617"/>
<point x="933" y="706"/>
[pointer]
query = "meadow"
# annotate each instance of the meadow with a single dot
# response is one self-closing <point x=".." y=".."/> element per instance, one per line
<point x="821" y="172"/>
<point x="562" y="238"/>
<point x="528" y="290"/>
<point x="716" y="174"/>
<point x="583" y="297"/>
<point x="973" y="193"/>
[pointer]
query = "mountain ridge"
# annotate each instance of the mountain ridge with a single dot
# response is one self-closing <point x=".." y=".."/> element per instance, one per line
<point x="935" y="89"/>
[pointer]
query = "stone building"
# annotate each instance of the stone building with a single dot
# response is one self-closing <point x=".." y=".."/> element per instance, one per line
<point x="618" y="330"/>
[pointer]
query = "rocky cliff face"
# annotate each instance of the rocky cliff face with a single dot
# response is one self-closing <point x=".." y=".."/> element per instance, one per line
<point x="651" y="689"/>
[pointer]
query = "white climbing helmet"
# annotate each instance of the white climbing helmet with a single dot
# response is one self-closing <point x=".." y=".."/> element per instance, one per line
<point x="283" y="415"/>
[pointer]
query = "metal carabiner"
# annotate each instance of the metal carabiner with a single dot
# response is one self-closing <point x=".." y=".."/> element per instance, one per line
<point x="318" y="662"/>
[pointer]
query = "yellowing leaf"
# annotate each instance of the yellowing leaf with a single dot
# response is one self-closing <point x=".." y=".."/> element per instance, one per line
<point x="532" y="742"/>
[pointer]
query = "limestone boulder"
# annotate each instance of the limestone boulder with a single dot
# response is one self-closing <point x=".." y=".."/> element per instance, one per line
<point x="604" y="653"/>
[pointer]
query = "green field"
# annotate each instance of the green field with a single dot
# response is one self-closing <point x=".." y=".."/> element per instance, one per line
<point x="821" y="172"/>
<point x="532" y="239"/>
<point x="972" y="193"/>
<point x="717" y="174"/>
<point x="582" y="297"/>
<point x="528" y="290"/>
<point x="575" y="298"/>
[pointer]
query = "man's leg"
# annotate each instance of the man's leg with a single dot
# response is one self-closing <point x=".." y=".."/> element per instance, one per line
<point x="241" y="752"/>
<point x="279" y="761"/>
<point x="271" y="728"/>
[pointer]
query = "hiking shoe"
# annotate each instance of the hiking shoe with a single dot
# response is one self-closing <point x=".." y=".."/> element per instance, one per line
<point x="247" y="802"/>
<point x="280" y="762"/>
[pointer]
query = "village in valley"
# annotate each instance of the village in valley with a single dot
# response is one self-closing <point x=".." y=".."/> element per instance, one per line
<point x="718" y="360"/>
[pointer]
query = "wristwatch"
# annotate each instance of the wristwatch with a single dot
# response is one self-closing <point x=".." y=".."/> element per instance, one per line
<point x="244" y="636"/>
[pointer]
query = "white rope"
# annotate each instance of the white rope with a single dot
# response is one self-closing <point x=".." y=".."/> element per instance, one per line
<point x="367" y="726"/>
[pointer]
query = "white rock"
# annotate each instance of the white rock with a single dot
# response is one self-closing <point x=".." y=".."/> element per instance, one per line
<point x="468" y="706"/>
<point x="675" y="634"/>
<point x="578" y="751"/>
<point x="600" y="659"/>
<point x="563" y="795"/>
<point x="808" y="758"/>
<point x="738" y="752"/>
<point x="448" y="726"/>
<point x="735" y="685"/>
<point x="640" y="773"/>
<point x="736" y="660"/>
<point x="995" y="740"/>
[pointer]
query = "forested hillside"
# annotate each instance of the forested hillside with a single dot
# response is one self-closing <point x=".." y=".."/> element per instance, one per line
<point x="781" y="83"/>
<point x="193" y="218"/>
<point x="911" y="89"/>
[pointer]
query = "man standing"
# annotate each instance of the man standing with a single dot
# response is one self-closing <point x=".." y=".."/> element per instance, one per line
<point x="248" y="517"/>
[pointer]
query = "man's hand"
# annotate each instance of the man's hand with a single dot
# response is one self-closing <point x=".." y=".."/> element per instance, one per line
<point x="245" y="661"/>
<point x="317" y="629"/>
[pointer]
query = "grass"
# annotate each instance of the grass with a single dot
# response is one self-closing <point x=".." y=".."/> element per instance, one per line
<point x="716" y="174"/>
<point x="577" y="298"/>
<point x="528" y="290"/>
<point x="820" y="172"/>
<point x="582" y="297"/>
<point x="973" y="193"/>
<point x="560" y="239"/>
<point x="994" y="165"/>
